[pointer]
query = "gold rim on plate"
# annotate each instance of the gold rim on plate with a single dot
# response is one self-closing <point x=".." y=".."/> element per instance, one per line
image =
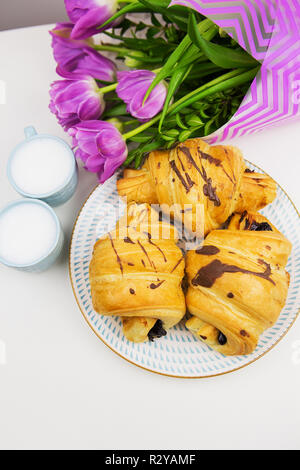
<point x="162" y="373"/>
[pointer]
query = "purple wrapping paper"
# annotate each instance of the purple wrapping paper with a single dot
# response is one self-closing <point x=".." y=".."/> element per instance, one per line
<point x="270" y="31"/>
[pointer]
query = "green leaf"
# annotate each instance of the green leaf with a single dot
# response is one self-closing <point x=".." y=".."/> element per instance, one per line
<point x="180" y="122"/>
<point x="131" y="156"/>
<point x="185" y="43"/>
<point x="202" y="112"/>
<point x="138" y="160"/>
<point x="202" y="70"/>
<point x="205" y="26"/>
<point x="225" y="82"/>
<point x="126" y="24"/>
<point x="167" y="138"/>
<point x="208" y="129"/>
<point x="176" y="80"/>
<point x="219" y="55"/>
<point x="172" y="133"/>
<point x="152" y="146"/>
<point x="155" y="21"/>
<point x="130" y="8"/>
<point x="140" y="138"/>
<point x="174" y="14"/>
<point x="137" y="44"/>
<point x="119" y="110"/>
<point x="152" y="32"/>
<point x="185" y="135"/>
<point x="156" y="4"/>
<point x="194" y="121"/>
<point x="145" y="59"/>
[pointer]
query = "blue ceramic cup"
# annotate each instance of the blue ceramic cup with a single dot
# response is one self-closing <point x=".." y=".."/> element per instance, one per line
<point x="60" y="194"/>
<point x="50" y="255"/>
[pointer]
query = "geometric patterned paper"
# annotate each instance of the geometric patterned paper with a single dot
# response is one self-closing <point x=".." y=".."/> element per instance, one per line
<point x="270" y="31"/>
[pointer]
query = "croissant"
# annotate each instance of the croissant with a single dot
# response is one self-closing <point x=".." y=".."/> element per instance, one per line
<point x="237" y="284"/>
<point x="136" y="273"/>
<point x="194" y="174"/>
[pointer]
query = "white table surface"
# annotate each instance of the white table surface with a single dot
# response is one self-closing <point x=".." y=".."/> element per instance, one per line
<point x="61" y="387"/>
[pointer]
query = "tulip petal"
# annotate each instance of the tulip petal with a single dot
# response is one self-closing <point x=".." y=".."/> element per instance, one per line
<point x="89" y="15"/>
<point x="74" y="100"/>
<point x="76" y="57"/>
<point x="104" y="145"/>
<point x="90" y="108"/>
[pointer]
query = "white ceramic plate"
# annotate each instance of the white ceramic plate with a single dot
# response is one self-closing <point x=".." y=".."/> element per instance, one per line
<point x="179" y="354"/>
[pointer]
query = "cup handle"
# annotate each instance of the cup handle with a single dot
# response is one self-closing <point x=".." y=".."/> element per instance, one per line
<point x="30" y="132"/>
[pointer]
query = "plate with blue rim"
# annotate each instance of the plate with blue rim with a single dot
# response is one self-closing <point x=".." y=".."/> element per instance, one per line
<point x="179" y="353"/>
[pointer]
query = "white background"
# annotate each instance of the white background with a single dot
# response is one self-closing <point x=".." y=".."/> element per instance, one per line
<point x="61" y="387"/>
<point x="18" y="13"/>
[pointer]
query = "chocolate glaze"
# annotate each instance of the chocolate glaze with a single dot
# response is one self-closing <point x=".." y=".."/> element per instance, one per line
<point x="216" y="162"/>
<point x="261" y="227"/>
<point x="222" y="339"/>
<point x="244" y="333"/>
<point x="128" y="240"/>
<point x="118" y="257"/>
<point x="157" y="331"/>
<point x="177" y="264"/>
<point x="156" y="246"/>
<point x="155" y="286"/>
<point x="257" y="226"/>
<point x="210" y="158"/>
<point x="208" y="190"/>
<point x="185" y="284"/>
<point x="207" y="275"/>
<point x="188" y="178"/>
<point x="187" y="185"/>
<point x="226" y="223"/>
<point x="243" y="216"/>
<point x="148" y="258"/>
<point x="208" y="250"/>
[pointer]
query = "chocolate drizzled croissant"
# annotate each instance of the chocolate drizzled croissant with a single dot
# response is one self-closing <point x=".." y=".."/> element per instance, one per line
<point x="237" y="284"/>
<point x="136" y="273"/>
<point x="195" y="173"/>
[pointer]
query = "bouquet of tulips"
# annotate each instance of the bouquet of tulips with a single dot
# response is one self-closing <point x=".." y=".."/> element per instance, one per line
<point x="176" y="75"/>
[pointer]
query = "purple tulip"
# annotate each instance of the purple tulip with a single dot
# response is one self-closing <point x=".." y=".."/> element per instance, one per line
<point x="100" y="146"/>
<point x="88" y="15"/>
<point x="132" y="88"/>
<point x="77" y="57"/>
<point x="73" y="101"/>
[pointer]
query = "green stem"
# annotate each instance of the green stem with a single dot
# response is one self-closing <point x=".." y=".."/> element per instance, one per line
<point x="128" y="123"/>
<point x="223" y="83"/>
<point x="141" y="128"/>
<point x="108" y="48"/>
<point x="214" y="82"/>
<point x="108" y="88"/>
